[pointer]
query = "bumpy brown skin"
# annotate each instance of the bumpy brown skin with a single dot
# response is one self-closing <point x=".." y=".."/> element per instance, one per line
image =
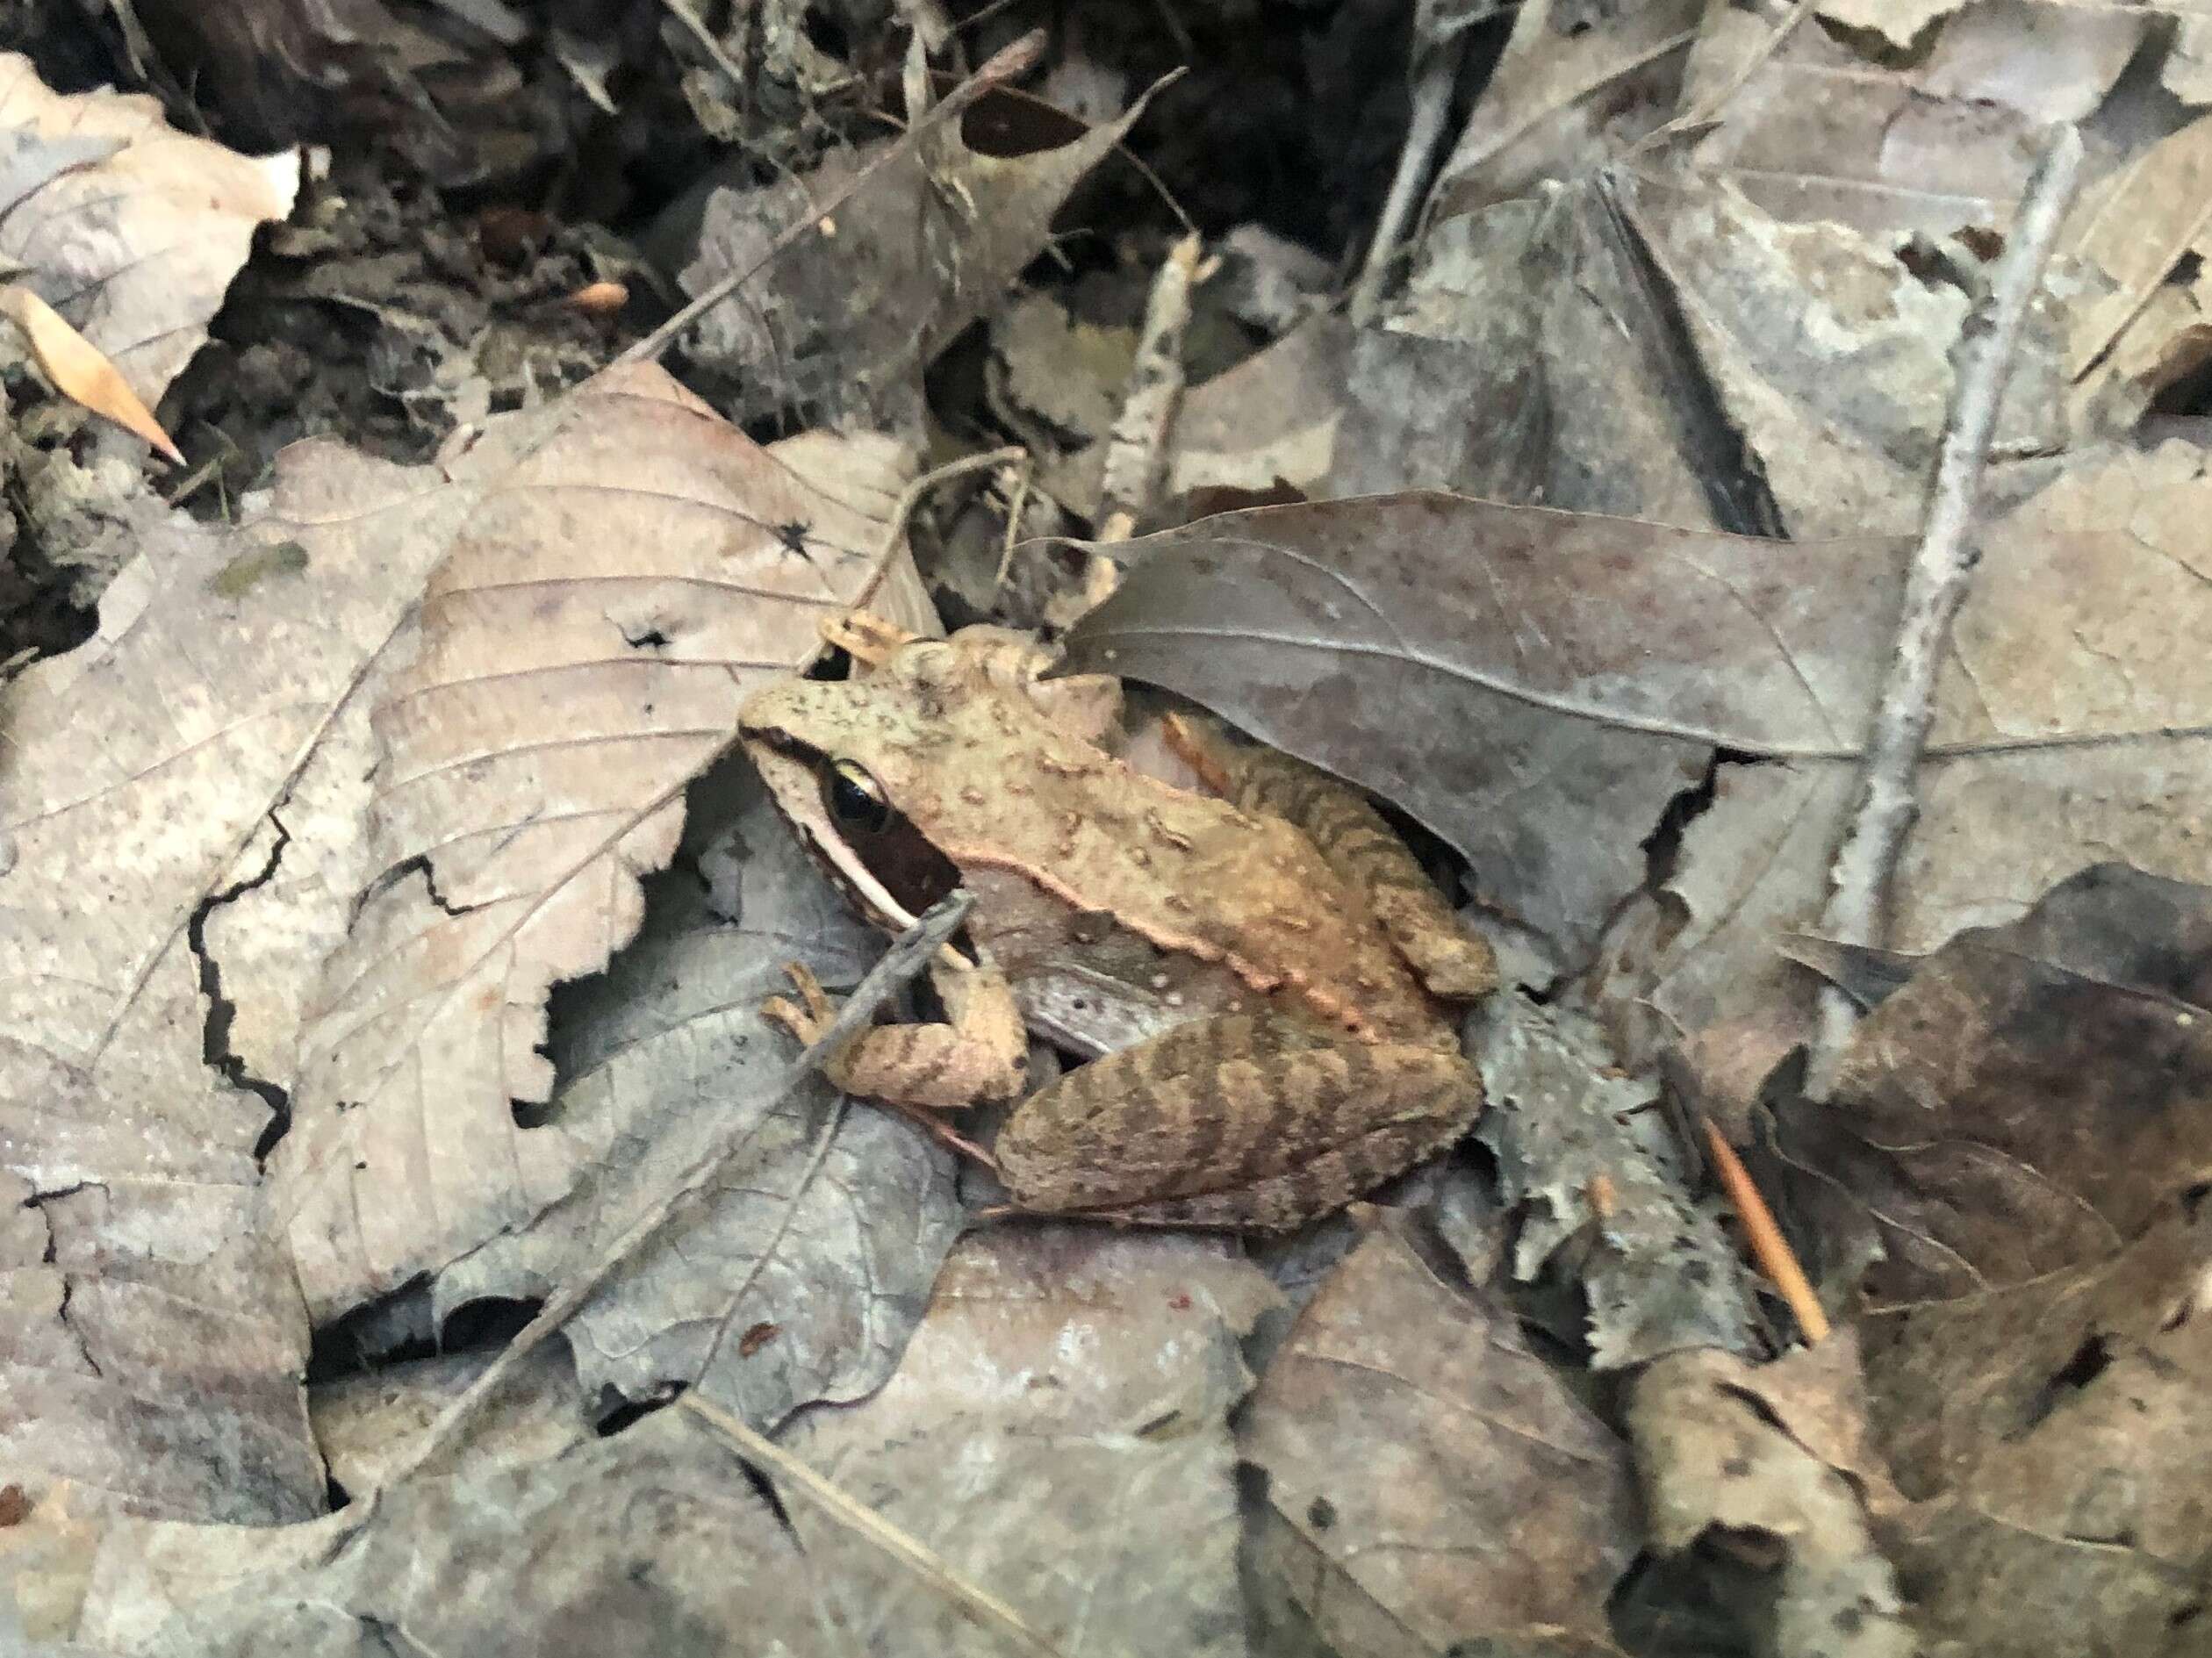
<point x="1358" y="845"/>
<point x="1251" y="1122"/>
<point x="1342" y="1073"/>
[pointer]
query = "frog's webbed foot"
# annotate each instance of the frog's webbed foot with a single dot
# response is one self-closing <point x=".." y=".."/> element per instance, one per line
<point x="855" y="1064"/>
<point x="810" y="1017"/>
<point x="1253" y="1123"/>
<point x="980" y="1051"/>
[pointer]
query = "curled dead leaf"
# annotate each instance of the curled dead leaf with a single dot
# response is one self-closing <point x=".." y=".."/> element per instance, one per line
<point x="79" y="370"/>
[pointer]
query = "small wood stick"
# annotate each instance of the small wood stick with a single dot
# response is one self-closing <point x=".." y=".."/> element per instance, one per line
<point x="1136" y="446"/>
<point x="1934" y="586"/>
<point x="1772" y="1251"/>
<point x="1430" y="105"/>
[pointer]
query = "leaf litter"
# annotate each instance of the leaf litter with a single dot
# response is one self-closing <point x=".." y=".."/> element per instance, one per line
<point x="384" y="932"/>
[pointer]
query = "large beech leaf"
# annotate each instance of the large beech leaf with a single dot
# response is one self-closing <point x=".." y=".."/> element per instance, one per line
<point x="616" y="574"/>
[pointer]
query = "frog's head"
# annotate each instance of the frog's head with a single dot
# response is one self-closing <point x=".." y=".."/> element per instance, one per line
<point x="862" y="767"/>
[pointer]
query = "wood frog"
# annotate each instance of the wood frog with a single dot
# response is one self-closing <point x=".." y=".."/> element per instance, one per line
<point x="1257" y="955"/>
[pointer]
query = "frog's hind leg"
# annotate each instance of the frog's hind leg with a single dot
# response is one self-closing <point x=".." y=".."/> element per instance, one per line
<point x="1363" y="849"/>
<point x="1253" y="1123"/>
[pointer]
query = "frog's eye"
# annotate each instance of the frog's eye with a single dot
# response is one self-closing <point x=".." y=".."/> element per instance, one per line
<point x="855" y="799"/>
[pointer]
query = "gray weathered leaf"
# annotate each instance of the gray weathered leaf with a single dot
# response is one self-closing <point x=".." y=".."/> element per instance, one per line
<point x="843" y="322"/>
<point x="801" y="1271"/>
<point x="653" y="1540"/>
<point x="1535" y="686"/>
<point x="1058" y="1434"/>
<point x="1532" y="686"/>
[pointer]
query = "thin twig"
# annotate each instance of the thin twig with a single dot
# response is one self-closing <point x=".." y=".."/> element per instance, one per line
<point x="907" y="958"/>
<point x="1708" y="110"/>
<point x="712" y="48"/>
<point x="908" y="1550"/>
<point x="1431" y="104"/>
<point x="1935" y="584"/>
<point x="895" y="528"/>
<point x="1016" y="59"/>
<point x="1136" y="446"/>
<point x="1769" y="1248"/>
<point x="1017" y="504"/>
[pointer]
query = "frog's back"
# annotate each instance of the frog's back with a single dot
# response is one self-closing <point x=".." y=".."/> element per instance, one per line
<point x="1189" y="875"/>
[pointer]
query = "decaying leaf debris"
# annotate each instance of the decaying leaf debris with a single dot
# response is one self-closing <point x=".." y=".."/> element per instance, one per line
<point x="1548" y="422"/>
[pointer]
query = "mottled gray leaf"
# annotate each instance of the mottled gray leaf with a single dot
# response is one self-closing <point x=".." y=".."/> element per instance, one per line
<point x="1727" y="1449"/>
<point x="653" y="1542"/>
<point x="801" y="1270"/>
<point x="1658" y="1275"/>
<point x="1058" y="1434"/>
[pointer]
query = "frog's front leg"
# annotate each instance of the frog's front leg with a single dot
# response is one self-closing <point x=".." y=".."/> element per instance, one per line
<point x="980" y="1052"/>
<point x="1254" y="1122"/>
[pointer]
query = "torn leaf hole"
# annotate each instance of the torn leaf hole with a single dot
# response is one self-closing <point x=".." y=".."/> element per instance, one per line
<point x="2089" y="1361"/>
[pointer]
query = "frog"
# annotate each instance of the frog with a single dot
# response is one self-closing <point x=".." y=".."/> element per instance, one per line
<point x="1271" y="968"/>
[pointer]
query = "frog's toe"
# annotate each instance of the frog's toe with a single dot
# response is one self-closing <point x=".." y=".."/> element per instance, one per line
<point x="809" y="1017"/>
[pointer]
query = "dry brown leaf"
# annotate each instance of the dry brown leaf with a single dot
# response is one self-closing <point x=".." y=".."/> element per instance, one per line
<point x="1057" y="1433"/>
<point x="1830" y="356"/>
<point x="1431" y="1486"/>
<point x="2143" y="333"/>
<point x="2056" y="1434"/>
<point x="1939" y="142"/>
<point x="1898" y="21"/>
<point x="77" y="369"/>
<point x="129" y="229"/>
<point x="1716" y="1456"/>
<point x="2187" y="72"/>
<point x="2029" y="1101"/>
<point x="843" y="322"/>
<point x="616" y="572"/>
<point x="1566" y="96"/>
<point x="369" y="1421"/>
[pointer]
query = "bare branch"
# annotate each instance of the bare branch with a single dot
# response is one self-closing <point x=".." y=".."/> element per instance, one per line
<point x="1886" y="805"/>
